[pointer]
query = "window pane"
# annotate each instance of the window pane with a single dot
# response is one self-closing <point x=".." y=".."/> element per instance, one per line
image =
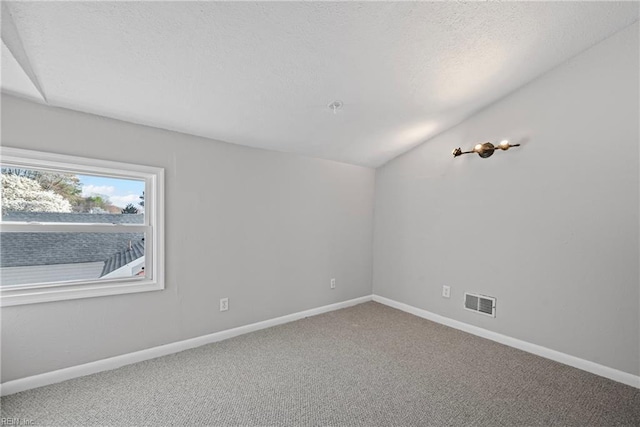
<point x="31" y="258"/>
<point x="30" y="195"/>
<point x="56" y="241"/>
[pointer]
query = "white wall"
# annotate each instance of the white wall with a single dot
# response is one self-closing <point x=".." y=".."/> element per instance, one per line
<point x="266" y="229"/>
<point x="550" y="228"/>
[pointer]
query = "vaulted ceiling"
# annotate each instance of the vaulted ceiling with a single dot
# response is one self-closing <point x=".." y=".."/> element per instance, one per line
<point x="263" y="74"/>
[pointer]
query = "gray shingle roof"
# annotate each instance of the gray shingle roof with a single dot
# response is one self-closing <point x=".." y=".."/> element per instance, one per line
<point x="134" y="251"/>
<point x="23" y="249"/>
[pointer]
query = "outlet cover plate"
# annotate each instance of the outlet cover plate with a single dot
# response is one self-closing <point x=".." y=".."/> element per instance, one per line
<point x="446" y="291"/>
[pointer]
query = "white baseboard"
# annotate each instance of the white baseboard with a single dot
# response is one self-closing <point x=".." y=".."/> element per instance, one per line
<point x="576" y="362"/>
<point x="22" y="384"/>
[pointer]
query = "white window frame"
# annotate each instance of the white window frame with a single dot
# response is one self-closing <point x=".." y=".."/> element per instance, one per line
<point x="153" y="228"/>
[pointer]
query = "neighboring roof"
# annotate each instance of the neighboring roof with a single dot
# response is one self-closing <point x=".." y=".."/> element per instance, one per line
<point x="134" y="251"/>
<point x="103" y="218"/>
<point x="50" y="273"/>
<point x="22" y="249"/>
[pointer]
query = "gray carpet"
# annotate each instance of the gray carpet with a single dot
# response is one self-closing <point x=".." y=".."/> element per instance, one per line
<point x="368" y="365"/>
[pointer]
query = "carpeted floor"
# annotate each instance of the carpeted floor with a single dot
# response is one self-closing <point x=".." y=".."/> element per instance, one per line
<point x="368" y="365"/>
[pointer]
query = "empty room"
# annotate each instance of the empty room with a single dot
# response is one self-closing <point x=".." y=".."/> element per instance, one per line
<point x="320" y="213"/>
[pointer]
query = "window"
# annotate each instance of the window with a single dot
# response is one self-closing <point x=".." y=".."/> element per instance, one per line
<point x="74" y="227"/>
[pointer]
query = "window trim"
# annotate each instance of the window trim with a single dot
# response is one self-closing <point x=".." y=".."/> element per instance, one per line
<point x="153" y="227"/>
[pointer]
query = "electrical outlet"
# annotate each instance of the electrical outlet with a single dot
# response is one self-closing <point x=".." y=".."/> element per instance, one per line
<point x="446" y="291"/>
<point x="224" y="304"/>
<point x="333" y="283"/>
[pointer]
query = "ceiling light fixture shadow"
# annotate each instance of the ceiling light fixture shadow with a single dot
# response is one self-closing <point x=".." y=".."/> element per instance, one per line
<point x="335" y="106"/>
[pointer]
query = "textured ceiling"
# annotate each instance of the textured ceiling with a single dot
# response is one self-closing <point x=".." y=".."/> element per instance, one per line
<point x="262" y="74"/>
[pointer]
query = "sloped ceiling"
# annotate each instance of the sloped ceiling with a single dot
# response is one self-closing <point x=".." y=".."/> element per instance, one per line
<point x="263" y="74"/>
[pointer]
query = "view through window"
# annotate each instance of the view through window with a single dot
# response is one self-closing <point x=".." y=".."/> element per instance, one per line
<point x="33" y="196"/>
<point x="66" y="227"/>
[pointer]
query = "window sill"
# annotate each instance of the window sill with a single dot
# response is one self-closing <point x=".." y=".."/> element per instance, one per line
<point x="17" y="296"/>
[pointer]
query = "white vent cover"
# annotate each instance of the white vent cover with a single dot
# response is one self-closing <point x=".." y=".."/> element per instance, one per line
<point x="480" y="304"/>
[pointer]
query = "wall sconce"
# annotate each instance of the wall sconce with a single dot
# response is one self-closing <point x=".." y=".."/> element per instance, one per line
<point x="485" y="150"/>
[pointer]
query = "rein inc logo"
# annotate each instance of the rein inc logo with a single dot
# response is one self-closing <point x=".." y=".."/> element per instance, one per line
<point x="16" y="422"/>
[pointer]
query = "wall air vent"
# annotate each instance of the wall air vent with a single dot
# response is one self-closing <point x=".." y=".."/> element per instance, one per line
<point x="480" y="304"/>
